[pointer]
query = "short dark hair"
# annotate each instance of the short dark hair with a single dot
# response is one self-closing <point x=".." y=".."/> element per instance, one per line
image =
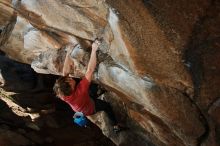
<point x="62" y="86"/>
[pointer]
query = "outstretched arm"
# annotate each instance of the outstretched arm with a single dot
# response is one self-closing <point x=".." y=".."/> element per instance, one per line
<point x="92" y="61"/>
<point x="68" y="63"/>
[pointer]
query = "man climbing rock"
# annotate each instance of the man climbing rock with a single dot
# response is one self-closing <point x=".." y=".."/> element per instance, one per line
<point x="77" y="96"/>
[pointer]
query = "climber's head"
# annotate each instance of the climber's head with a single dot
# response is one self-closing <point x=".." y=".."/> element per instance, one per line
<point x="64" y="86"/>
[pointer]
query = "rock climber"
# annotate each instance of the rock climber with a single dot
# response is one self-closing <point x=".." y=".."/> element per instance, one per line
<point x="78" y="95"/>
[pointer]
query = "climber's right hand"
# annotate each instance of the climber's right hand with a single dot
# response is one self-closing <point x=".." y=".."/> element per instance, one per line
<point x="95" y="45"/>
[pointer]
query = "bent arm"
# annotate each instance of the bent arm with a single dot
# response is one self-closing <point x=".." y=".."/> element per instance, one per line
<point x="92" y="61"/>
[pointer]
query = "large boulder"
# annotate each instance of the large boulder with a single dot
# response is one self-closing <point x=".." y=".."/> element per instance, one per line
<point x="159" y="57"/>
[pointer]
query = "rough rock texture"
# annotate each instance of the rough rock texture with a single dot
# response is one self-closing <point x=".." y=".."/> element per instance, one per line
<point x="161" y="59"/>
<point x="8" y="19"/>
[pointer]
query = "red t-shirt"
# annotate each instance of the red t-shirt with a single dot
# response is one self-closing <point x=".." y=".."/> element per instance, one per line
<point x="79" y="100"/>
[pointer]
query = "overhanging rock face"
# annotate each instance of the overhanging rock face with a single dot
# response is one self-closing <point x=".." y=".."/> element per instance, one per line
<point x="161" y="56"/>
